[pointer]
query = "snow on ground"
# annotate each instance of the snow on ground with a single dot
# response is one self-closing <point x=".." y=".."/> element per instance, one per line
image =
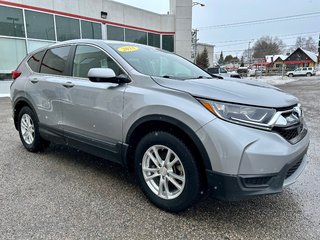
<point x="274" y="80"/>
<point x="5" y="88"/>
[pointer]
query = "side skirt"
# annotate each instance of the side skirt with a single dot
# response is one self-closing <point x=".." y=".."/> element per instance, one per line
<point x="112" y="151"/>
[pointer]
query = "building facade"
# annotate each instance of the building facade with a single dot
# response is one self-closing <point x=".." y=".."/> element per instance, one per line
<point x="26" y="25"/>
<point x="301" y="58"/>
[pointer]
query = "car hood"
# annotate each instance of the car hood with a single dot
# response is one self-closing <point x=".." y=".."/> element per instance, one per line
<point x="242" y="91"/>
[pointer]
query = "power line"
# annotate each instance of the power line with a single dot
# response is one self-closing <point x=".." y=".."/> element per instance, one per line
<point x="276" y="35"/>
<point x="246" y="41"/>
<point x="239" y="50"/>
<point x="266" y="20"/>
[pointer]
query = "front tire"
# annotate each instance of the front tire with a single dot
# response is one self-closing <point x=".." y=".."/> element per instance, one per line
<point x="309" y="74"/>
<point x="167" y="172"/>
<point x="28" y="126"/>
<point x="290" y="75"/>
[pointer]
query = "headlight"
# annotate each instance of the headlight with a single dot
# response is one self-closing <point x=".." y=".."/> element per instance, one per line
<point x="241" y="114"/>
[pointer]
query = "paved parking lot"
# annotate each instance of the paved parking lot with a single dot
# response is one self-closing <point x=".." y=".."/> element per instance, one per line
<point x="63" y="193"/>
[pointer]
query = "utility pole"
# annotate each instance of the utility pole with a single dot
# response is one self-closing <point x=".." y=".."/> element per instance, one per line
<point x="249" y="58"/>
<point x="319" y="50"/>
<point x="194" y="41"/>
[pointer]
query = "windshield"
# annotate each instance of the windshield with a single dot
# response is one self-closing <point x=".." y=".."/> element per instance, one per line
<point x="156" y="62"/>
<point x="222" y="70"/>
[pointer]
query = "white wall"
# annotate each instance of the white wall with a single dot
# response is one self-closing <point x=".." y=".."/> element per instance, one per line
<point x="117" y="12"/>
<point x="182" y="9"/>
<point x="179" y="20"/>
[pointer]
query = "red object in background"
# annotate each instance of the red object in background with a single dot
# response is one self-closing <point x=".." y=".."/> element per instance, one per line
<point x="297" y="61"/>
<point x="15" y="74"/>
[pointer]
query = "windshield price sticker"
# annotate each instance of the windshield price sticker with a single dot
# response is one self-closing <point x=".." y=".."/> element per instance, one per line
<point x="128" y="49"/>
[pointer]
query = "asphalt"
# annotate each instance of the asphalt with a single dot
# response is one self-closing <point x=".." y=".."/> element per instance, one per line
<point x="63" y="193"/>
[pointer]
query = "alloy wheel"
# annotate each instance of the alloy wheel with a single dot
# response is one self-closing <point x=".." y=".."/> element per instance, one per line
<point x="27" y="128"/>
<point x="163" y="172"/>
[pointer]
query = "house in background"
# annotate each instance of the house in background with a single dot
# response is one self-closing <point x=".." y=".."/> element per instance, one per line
<point x="278" y="62"/>
<point x="300" y="58"/>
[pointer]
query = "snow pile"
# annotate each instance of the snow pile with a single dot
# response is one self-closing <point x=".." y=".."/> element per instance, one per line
<point x="274" y="80"/>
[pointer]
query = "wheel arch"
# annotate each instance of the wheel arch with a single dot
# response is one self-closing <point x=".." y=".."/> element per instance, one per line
<point x="174" y="126"/>
<point x="17" y="106"/>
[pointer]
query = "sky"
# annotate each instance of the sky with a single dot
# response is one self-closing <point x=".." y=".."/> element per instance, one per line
<point x="235" y="39"/>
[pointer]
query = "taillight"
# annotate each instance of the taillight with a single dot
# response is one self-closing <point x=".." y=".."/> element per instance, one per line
<point x="15" y="74"/>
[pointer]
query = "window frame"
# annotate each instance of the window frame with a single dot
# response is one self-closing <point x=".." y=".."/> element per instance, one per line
<point x="73" y="54"/>
<point x="40" y="62"/>
<point x="67" y="71"/>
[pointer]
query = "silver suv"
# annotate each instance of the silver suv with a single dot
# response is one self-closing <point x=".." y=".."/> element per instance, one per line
<point x="176" y="127"/>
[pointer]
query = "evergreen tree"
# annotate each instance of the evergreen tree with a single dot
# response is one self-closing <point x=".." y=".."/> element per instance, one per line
<point x="205" y="58"/>
<point x="242" y="62"/>
<point x="202" y="59"/>
<point x="221" y="59"/>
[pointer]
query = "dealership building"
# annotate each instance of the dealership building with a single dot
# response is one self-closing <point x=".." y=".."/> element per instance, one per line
<point x="26" y="25"/>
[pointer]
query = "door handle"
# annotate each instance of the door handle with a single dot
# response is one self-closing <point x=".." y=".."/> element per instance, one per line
<point x="68" y="85"/>
<point x="34" y="80"/>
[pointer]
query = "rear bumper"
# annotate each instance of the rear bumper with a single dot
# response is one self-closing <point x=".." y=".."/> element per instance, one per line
<point x="239" y="187"/>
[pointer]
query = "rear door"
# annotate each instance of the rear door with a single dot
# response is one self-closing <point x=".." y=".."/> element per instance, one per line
<point x="92" y="111"/>
<point x="43" y="86"/>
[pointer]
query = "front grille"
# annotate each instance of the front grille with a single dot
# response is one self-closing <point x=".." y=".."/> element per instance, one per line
<point x="256" y="181"/>
<point x="293" y="168"/>
<point x="289" y="133"/>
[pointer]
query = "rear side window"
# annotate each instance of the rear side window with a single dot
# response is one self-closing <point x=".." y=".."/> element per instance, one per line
<point x="87" y="57"/>
<point x="55" y="61"/>
<point x="35" y="60"/>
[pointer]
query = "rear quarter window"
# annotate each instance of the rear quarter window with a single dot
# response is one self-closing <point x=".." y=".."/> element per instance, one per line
<point x="35" y="60"/>
<point x="55" y="61"/>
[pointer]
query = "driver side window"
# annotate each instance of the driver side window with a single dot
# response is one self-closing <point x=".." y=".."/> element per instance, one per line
<point x="87" y="57"/>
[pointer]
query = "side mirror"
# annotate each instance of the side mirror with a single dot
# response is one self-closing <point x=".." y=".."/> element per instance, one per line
<point x="106" y="75"/>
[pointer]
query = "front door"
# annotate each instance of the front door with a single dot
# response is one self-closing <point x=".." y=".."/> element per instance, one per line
<point x="92" y="111"/>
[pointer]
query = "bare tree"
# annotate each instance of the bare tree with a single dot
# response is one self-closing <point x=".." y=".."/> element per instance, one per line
<point x="268" y="46"/>
<point x="306" y="43"/>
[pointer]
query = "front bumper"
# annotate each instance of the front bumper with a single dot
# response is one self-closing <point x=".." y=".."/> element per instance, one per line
<point x="248" y="162"/>
<point x="234" y="188"/>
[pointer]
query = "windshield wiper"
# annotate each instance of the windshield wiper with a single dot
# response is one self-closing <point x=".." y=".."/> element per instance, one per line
<point x="167" y="76"/>
<point x="199" y="77"/>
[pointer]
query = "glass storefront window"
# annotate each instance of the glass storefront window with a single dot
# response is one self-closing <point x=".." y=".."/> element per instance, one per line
<point x="168" y="42"/>
<point x="67" y="28"/>
<point x="115" y="33"/>
<point x="11" y="22"/>
<point x="33" y="45"/>
<point x="154" y="40"/>
<point x="91" y="30"/>
<point x="39" y="25"/>
<point x="12" y="51"/>
<point x="136" y="36"/>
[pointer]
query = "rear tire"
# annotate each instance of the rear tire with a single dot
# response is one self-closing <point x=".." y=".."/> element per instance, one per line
<point x="167" y="172"/>
<point x="28" y="126"/>
<point x="309" y="74"/>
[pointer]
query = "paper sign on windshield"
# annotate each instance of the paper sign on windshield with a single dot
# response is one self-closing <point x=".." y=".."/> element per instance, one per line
<point x="128" y="49"/>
